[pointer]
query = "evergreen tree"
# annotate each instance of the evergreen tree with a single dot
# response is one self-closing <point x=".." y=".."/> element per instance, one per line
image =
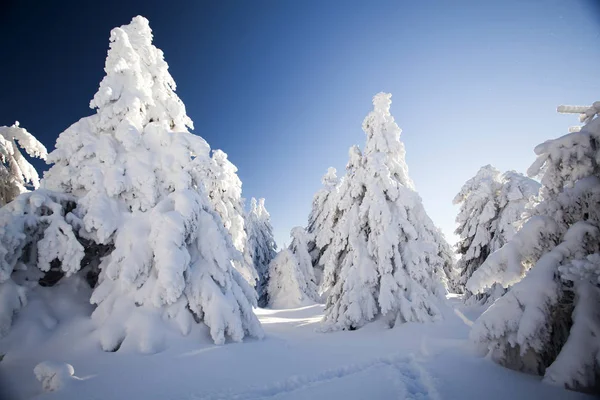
<point x="548" y="322"/>
<point x="131" y="178"/>
<point x="292" y="281"/>
<point x="261" y="248"/>
<point x="225" y="193"/>
<point x="386" y="258"/>
<point x="491" y="207"/>
<point x="16" y="173"/>
<point x="320" y="221"/>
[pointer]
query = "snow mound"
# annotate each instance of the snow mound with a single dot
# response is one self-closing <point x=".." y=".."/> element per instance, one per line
<point x="53" y="375"/>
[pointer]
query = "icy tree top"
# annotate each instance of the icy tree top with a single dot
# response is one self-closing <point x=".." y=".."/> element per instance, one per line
<point x="486" y="174"/>
<point x="383" y="136"/>
<point x="330" y="179"/>
<point x="257" y="207"/>
<point x="137" y="78"/>
<point x="299" y="234"/>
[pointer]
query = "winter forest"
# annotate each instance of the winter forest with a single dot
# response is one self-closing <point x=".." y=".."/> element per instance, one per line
<point x="135" y="258"/>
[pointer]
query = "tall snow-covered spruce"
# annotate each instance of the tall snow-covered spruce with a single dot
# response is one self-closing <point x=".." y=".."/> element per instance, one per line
<point x="549" y="321"/>
<point x="131" y="178"/>
<point x="16" y="173"/>
<point x="386" y="258"/>
<point x="491" y="207"/>
<point x="260" y="248"/>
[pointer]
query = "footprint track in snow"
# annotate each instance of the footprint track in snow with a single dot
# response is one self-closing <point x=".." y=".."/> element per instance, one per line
<point x="402" y="376"/>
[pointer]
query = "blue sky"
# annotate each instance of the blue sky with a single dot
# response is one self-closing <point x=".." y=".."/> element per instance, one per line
<point x="283" y="86"/>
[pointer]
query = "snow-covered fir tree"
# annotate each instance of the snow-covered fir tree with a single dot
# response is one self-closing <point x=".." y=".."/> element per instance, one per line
<point x="491" y="206"/>
<point x="386" y="258"/>
<point x="131" y="178"/>
<point x="292" y="280"/>
<point x="549" y="321"/>
<point x="320" y="220"/>
<point x="16" y="173"/>
<point x="225" y="193"/>
<point x="260" y="247"/>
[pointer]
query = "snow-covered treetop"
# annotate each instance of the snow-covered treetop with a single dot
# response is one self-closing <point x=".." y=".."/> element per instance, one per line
<point x="330" y="179"/>
<point x="486" y="179"/>
<point x="133" y="62"/>
<point x="136" y="148"/>
<point x="383" y="135"/>
<point x="15" y="171"/>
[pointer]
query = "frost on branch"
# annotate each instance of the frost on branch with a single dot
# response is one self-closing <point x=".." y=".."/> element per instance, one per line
<point x="491" y="208"/>
<point x="386" y="258"/>
<point x="548" y="323"/>
<point x="16" y="173"/>
<point x="260" y="248"/>
<point x="139" y="179"/>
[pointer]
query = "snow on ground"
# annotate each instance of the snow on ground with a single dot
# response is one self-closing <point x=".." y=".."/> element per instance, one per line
<point x="294" y="361"/>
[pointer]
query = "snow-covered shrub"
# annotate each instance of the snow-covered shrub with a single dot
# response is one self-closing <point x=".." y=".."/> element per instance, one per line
<point x="16" y="173"/>
<point x="292" y="281"/>
<point x="261" y="247"/>
<point x="386" y="256"/>
<point x="549" y="321"/>
<point x="321" y="219"/>
<point x="36" y="228"/>
<point x="135" y="179"/>
<point x="53" y="375"/>
<point x="491" y="207"/>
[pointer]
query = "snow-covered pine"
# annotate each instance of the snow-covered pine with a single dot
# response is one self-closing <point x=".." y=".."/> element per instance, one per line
<point x="491" y="207"/>
<point x="130" y="177"/>
<point x="17" y="175"/>
<point x="292" y="281"/>
<point x="260" y="248"/>
<point x="549" y="321"/>
<point x="386" y="258"/>
<point x="225" y="193"/>
<point x="320" y="221"/>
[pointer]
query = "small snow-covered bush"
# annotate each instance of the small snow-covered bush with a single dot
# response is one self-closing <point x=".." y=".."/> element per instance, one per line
<point x="53" y="375"/>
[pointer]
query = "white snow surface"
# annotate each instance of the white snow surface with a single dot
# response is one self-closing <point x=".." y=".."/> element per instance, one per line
<point x="293" y="361"/>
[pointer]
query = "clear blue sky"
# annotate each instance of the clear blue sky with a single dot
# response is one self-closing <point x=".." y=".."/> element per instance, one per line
<point x="283" y="86"/>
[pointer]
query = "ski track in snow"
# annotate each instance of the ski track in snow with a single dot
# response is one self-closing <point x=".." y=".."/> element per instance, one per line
<point x="408" y="378"/>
